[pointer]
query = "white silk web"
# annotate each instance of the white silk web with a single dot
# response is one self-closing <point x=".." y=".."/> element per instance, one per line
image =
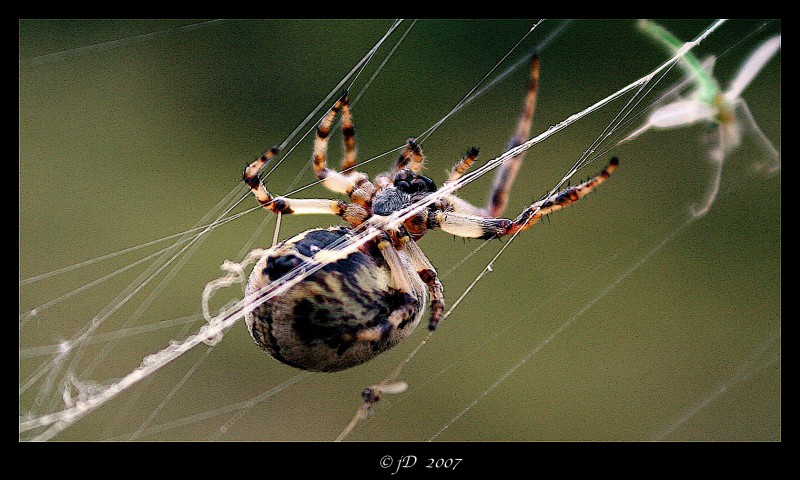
<point x="207" y="393"/>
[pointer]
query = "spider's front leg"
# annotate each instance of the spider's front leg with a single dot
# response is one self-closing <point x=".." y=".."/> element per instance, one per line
<point x="350" y="212"/>
<point x="473" y="226"/>
<point x="507" y="172"/>
<point x="411" y="157"/>
<point x="354" y="184"/>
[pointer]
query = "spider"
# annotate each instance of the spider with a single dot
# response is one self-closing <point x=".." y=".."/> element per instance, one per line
<point x="363" y="301"/>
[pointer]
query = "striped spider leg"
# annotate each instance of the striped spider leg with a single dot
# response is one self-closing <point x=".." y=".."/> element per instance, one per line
<point x="459" y="217"/>
<point x="454" y="219"/>
<point x="360" y="299"/>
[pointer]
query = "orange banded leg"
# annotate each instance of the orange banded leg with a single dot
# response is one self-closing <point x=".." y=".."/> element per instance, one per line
<point x="323" y="132"/>
<point x="354" y="184"/>
<point x="353" y="213"/>
<point x="428" y="275"/>
<point x="349" y="139"/>
<point x="472" y="226"/>
<point x="406" y="282"/>
<point x="507" y="173"/>
<point x="462" y="166"/>
<point x="411" y="157"/>
<point x="362" y="189"/>
<point x="331" y="178"/>
<point x="251" y="178"/>
<point x="562" y="199"/>
<point x="504" y="179"/>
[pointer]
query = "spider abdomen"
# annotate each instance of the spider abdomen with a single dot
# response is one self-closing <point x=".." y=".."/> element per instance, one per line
<point x="321" y="323"/>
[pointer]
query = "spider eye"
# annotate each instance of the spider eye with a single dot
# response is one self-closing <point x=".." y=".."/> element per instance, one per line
<point x="410" y="182"/>
<point x="419" y="185"/>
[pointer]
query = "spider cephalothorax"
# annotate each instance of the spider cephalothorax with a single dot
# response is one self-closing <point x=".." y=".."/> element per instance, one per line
<point x="354" y="303"/>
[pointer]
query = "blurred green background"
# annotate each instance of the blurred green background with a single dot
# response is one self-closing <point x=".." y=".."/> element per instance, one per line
<point x="131" y="141"/>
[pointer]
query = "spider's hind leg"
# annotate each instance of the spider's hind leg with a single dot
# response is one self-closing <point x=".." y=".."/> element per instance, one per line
<point x="409" y="284"/>
<point x="428" y="275"/>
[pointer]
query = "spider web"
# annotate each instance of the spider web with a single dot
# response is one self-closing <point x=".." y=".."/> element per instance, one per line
<point x="205" y="394"/>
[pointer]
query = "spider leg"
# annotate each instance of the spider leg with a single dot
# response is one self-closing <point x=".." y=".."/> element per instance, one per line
<point x="349" y="139"/>
<point x="560" y="200"/>
<point x="428" y="275"/>
<point x="452" y="203"/>
<point x="321" y="142"/>
<point x="410" y="285"/>
<point x="462" y="165"/>
<point x="351" y="212"/>
<point x="411" y="157"/>
<point x="472" y="226"/>
<point x="364" y="189"/>
<point x="507" y="173"/>
<point x="354" y="184"/>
